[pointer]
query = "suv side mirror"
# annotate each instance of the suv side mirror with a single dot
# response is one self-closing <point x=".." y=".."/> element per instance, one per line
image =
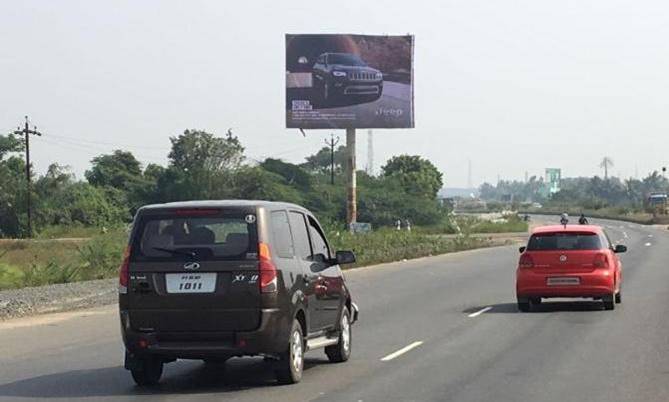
<point x="345" y="257"/>
<point x="620" y="248"/>
<point x="522" y="249"/>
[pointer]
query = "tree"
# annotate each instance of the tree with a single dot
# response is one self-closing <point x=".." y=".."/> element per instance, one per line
<point x="12" y="187"/>
<point x="416" y="175"/>
<point x="293" y="174"/>
<point x="10" y="143"/>
<point x="119" y="169"/>
<point x="199" y="151"/>
<point x="202" y="166"/>
<point x="606" y="163"/>
<point x="320" y="161"/>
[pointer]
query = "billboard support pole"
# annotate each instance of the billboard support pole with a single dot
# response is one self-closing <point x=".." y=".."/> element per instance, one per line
<point x="351" y="198"/>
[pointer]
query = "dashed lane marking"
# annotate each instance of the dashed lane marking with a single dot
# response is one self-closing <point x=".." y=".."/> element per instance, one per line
<point x="401" y="351"/>
<point x="478" y="313"/>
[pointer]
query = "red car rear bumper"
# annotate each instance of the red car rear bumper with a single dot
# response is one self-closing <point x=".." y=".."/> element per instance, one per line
<point x="592" y="284"/>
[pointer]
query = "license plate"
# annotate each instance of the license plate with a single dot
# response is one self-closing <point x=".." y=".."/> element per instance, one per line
<point x="191" y="283"/>
<point x="563" y="280"/>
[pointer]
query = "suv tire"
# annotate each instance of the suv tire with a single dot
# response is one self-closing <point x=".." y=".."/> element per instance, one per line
<point x="342" y="350"/>
<point x="609" y="302"/>
<point x="619" y="296"/>
<point x="291" y="362"/>
<point x="147" y="372"/>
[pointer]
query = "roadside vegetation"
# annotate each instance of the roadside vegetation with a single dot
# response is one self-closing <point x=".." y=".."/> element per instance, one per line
<point x="607" y="197"/>
<point x="391" y="245"/>
<point x="79" y="225"/>
<point x="26" y="263"/>
<point x="42" y="262"/>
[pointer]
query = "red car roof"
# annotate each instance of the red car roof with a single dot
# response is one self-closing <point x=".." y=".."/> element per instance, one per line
<point x="568" y="228"/>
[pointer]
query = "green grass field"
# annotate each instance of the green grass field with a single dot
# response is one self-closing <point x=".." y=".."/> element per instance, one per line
<point x="42" y="262"/>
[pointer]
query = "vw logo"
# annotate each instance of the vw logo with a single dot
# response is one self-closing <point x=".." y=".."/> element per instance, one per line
<point x="191" y="266"/>
<point x="563" y="258"/>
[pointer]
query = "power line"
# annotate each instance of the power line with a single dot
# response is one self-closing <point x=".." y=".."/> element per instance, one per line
<point x="82" y="147"/>
<point x="102" y="143"/>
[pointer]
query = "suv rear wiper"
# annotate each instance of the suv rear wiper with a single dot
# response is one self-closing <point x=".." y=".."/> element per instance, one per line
<point x="176" y="251"/>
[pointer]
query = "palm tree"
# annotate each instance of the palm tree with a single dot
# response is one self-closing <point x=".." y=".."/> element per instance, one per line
<point x="606" y="163"/>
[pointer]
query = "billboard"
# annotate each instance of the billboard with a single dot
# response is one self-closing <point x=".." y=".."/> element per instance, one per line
<point x="349" y="81"/>
<point x="553" y="178"/>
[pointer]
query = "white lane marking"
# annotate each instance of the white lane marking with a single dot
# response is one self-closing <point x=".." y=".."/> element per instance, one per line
<point x="625" y="234"/>
<point x="650" y="235"/>
<point x="401" y="351"/>
<point x="647" y="244"/>
<point x="481" y="311"/>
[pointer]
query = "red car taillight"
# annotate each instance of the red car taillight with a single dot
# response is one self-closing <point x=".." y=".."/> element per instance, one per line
<point x="123" y="272"/>
<point x="600" y="261"/>
<point x="268" y="274"/>
<point x="525" y="261"/>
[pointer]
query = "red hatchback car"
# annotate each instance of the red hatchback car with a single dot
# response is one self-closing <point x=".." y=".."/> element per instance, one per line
<point x="569" y="261"/>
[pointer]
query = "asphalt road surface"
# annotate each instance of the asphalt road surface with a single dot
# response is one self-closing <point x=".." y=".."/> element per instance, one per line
<point x="451" y="319"/>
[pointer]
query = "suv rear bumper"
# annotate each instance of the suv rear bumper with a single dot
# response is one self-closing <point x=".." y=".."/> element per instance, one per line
<point x="269" y="338"/>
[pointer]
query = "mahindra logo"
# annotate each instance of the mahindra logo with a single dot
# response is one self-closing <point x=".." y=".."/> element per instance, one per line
<point x="563" y="258"/>
<point x="191" y="266"/>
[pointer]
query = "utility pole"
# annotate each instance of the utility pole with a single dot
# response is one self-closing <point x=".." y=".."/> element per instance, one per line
<point x="351" y="198"/>
<point x="27" y="132"/>
<point x="370" y="153"/>
<point x="332" y="144"/>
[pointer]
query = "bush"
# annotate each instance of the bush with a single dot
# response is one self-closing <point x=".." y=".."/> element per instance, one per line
<point x="37" y="274"/>
<point x="508" y="224"/>
<point x="387" y="245"/>
<point x="100" y="256"/>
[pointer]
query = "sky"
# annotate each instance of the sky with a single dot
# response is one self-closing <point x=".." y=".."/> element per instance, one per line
<point x="513" y="86"/>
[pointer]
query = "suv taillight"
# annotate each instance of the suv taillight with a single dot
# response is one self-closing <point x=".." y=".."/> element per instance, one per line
<point x="123" y="272"/>
<point x="525" y="261"/>
<point x="600" y="261"/>
<point x="268" y="275"/>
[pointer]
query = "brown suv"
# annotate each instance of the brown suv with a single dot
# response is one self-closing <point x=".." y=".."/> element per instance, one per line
<point x="212" y="280"/>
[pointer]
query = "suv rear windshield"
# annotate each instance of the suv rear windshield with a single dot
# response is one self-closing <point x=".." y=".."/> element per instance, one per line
<point x="564" y="241"/>
<point x="219" y="237"/>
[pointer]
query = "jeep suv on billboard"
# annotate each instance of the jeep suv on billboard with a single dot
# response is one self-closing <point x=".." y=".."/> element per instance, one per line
<point x="338" y="75"/>
<point x="213" y="280"/>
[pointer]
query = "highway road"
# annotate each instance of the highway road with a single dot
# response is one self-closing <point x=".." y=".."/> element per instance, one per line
<point x="443" y="329"/>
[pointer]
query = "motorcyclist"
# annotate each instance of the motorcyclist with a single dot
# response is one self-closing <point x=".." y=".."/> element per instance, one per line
<point x="582" y="220"/>
<point x="564" y="219"/>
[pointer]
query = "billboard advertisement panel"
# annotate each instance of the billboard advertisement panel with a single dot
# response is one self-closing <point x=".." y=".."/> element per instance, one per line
<point x="349" y="81"/>
<point x="553" y="178"/>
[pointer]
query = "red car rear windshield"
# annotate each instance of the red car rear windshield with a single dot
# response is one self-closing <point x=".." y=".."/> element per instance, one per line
<point x="564" y="241"/>
<point x="179" y="237"/>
